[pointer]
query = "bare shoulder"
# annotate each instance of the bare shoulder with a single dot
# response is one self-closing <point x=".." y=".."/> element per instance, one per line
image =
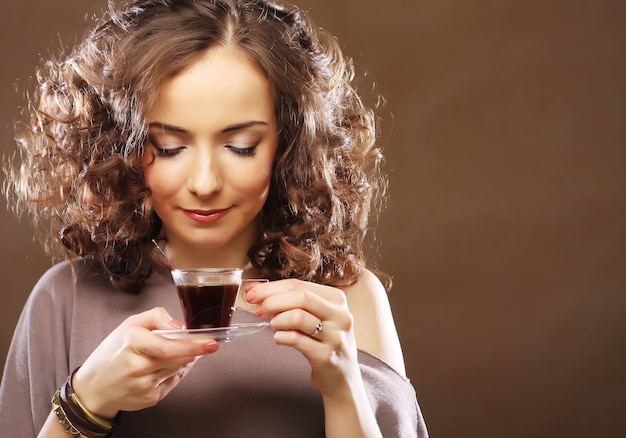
<point x="374" y="327"/>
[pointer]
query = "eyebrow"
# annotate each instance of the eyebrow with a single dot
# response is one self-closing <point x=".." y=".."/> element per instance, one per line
<point x="231" y="128"/>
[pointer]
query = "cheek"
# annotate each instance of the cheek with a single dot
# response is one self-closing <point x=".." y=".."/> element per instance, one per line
<point x="159" y="181"/>
<point x="256" y="183"/>
<point x="253" y="186"/>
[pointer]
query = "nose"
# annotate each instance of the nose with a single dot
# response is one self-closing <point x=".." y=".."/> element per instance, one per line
<point x="205" y="177"/>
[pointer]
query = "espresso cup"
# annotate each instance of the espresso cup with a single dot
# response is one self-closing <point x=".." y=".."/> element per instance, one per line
<point x="207" y="295"/>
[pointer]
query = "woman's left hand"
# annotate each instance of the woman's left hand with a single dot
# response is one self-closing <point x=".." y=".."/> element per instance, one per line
<point x="315" y="320"/>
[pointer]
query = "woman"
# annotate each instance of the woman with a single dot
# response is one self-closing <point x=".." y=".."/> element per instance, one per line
<point x="229" y="131"/>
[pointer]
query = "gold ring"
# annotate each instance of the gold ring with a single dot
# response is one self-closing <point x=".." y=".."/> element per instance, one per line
<point x="318" y="329"/>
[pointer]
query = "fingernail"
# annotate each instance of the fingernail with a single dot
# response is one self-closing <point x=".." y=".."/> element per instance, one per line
<point x="176" y="324"/>
<point x="211" y="347"/>
<point x="250" y="295"/>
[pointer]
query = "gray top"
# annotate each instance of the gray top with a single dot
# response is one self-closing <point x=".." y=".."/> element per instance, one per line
<point x="249" y="387"/>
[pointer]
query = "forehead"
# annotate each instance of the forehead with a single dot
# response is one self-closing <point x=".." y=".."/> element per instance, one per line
<point x="222" y="83"/>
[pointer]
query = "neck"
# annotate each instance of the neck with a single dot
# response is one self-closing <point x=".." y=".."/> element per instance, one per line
<point x="208" y="259"/>
<point x="182" y="254"/>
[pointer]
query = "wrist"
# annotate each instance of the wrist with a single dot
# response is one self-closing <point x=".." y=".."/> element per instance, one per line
<point x="76" y="418"/>
<point x="89" y="397"/>
<point x="348" y="413"/>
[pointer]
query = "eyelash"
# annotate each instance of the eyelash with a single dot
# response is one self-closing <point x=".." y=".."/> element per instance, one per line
<point x="165" y="153"/>
<point x="170" y="152"/>
<point x="245" y="152"/>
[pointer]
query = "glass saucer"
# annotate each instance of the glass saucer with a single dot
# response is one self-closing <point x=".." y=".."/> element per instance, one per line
<point x="218" y="334"/>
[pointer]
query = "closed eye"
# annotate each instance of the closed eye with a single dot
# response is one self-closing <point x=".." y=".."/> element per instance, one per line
<point x="245" y="151"/>
<point x="162" y="148"/>
<point x="162" y="152"/>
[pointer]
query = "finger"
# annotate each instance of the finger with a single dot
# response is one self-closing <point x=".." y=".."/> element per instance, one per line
<point x="176" y="350"/>
<point x="302" y="299"/>
<point x="316" y="352"/>
<point x="169" y="383"/>
<point x="247" y="285"/>
<point x="156" y="318"/>
<point x="260" y="291"/>
<point x="297" y="319"/>
<point x="172" y="373"/>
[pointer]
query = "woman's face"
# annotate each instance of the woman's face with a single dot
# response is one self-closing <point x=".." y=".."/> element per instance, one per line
<point x="208" y="161"/>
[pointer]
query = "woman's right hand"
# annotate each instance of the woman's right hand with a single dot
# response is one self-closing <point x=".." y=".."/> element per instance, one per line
<point x="132" y="368"/>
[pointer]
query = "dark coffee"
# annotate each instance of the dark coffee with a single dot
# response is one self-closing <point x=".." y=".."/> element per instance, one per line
<point x="207" y="306"/>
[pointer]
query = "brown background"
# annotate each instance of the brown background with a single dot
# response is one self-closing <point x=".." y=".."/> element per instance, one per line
<point x="505" y="233"/>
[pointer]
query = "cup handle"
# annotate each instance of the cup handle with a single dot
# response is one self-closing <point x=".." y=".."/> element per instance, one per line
<point x="247" y="281"/>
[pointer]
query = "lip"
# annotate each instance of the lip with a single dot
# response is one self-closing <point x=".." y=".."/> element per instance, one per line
<point x="206" y="216"/>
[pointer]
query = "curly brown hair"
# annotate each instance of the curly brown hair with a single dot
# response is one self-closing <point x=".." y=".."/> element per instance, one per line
<point x="80" y="175"/>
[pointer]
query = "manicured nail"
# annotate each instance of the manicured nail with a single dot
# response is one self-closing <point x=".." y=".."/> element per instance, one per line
<point x="211" y="347"/>
<point x="176" y="324"/>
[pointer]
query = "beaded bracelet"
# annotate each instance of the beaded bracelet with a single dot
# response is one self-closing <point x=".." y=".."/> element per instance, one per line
<point x="76" y="418"/>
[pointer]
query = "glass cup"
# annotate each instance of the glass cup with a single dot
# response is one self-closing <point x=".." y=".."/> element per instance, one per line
<point x="207" y="295"/>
